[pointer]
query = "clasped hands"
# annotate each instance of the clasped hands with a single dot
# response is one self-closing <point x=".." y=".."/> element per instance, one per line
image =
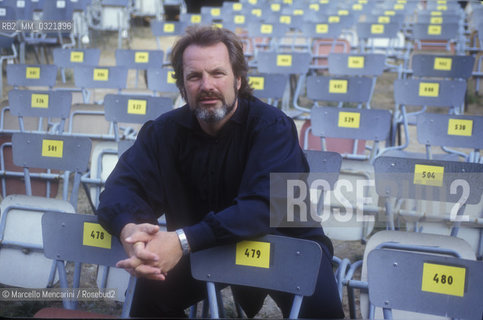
<point x="151" y="252"/>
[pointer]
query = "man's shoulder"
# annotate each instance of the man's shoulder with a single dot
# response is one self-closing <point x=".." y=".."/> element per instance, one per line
<point x="260" y="111"/>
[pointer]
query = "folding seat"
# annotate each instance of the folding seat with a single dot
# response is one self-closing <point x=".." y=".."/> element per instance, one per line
<point x="368" y="33"/>
<point x="277" y="263"/>
<point x="139" y="60"/>
<point x="457" y="183"/>
<point x="421" y="94"/>
<point x="112" y="15"/>
<point x="424" y="283"/>
<point x="270" y="87"/>
<point x="130" y="112"/>
<point x="21" y="259"/>
<point x="295" y="64"/>
<point x="162" y="29"/>
<point x="7" y="52"/>
<point x="70" y="58"/>
<point x="442" y="37"/>
<point x="161" y="82"/>
<point x="79" y="238"/>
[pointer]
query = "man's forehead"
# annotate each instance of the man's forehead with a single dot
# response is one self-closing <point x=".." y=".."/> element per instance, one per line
<point x="212" y="56"/>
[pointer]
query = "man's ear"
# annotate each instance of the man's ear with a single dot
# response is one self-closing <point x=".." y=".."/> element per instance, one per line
<point x="238" y="83"/>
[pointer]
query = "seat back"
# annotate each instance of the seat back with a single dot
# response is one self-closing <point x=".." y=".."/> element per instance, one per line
<point x="271" y="262"/>
<point x="43" y="75"/>
<point x="70" y="58"/>
<point x="442" y="66"/>
<point x="368" y="64"/>
<point x="423" y="283"/>
<point x="139" y="59"/>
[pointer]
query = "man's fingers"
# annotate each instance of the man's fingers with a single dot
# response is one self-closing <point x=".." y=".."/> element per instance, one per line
<point x="142" y="253"/>
<point x="130" y="263"/>
<point x="149" y="228"/>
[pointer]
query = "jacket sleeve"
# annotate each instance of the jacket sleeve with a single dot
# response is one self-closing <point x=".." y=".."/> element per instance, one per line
<point x="132" y="193"/>
<point x="273" y="148"/>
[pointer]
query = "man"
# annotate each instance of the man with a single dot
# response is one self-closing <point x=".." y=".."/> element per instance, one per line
<point x="206" y="166"/>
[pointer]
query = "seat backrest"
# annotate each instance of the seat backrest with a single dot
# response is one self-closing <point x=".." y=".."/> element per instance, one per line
<point x="42" y="75"/>
<point x="368" y="30"/>
<point x="70" y="58"/>
<point x="438" y="285"/>
<point x="51" y="151"/>
<point x="431" y="93"/>
<point x="79" y="238"/>
<point x="321" y="30"/>
<point x="367" y="124"/>
<point x="339" y="89"/>
<point x="139" y="59"/>
<point x="162" y="80"/>
<point x="268" y="85"/>
<point x="271" y="262"/>
<point x="462" y="131"/>
<point x="367" y="64"/>
<point x="284" y="63"/>
<point x="427" y="31"/>
<point x="423" y="179"/>
<point x="442" y="66"/>
<point x="167" y="28"/>
<point x="100" y="77"/>
<point x="28" y="103"/>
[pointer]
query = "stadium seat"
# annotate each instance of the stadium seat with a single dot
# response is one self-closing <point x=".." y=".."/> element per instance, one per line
<point x="271" y="262"/>
<point x="20" y="214"/>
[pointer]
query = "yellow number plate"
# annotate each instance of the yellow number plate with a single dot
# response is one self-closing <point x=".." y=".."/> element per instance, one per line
<point x="355" y="62"/>
<point x="275" y="7"/>
<point x="323" y="1"/>
<point x="377" y="28"/>
<point x="141" y="57"/>
<point x="442" y="8"/>
<point x="357" y="7"/>
<point x="384" y="19"/>
<point x="399" y="6"/>
<point x="322" y="28"/>
<point x="196" y="18"/>
<point x="298" y="12"/>
<point x="168" y="27"/>
<point x="285" y="19"/>
<point x="343" y="12"/>
<point x="257" y="83"/>
<point x="436" y="20"/>
<point x="443" y="64"/>
<point x="257" y="12"/>
<point x="363" y="1"/>
<point x="170" y="77"/>
<point x="349" y="119"/>
<point x="389" y="13"/>
<point x="314" y="7"/>
<point x="96" y="236"/>
<point x="253" y="1"/>
<point x="428" y="175"/>
<point x="338" y="86"/>
<point x="253" y="254"/>
<point x="442" y="279"/>
<point x="436" y="13"/>
<point x="101" y="74"/>
<point x="239" y="19"/>
<point x="237" y="6"/>
<point x="40" y="101"/>
<point x="32" y="73"/>
<point x="284" y="60"/>
<point x="334" y="19"/>
<point x="266" y="28"/>
<point x="427" y="89"/>
<point x="52" y="148"/>
<point x="77" y="56"/>
<point x="215" y="12"/>
<point x="434" y="29"/>
<point x="459" y="127"/>
<point x="136" y="106"/>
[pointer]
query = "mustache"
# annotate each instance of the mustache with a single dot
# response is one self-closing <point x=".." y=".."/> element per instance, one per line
<point x="209" y="94"/>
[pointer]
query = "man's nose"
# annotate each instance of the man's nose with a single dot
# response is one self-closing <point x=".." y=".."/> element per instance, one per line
<point x="206" y="83"/>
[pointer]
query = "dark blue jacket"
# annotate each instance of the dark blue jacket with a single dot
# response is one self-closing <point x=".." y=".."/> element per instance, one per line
<point x="215" y="188"/>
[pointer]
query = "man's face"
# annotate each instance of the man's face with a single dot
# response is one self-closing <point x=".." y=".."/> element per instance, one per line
<point x="210" y="85"/>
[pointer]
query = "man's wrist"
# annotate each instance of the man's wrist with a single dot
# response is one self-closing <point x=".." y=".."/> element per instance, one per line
<point x="185" y="246"/>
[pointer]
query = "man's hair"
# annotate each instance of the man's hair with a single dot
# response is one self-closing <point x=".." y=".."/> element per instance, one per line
<point x="206" y="36"/>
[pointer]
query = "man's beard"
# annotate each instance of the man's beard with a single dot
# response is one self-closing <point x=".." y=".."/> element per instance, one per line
<point x="214" y="115"/>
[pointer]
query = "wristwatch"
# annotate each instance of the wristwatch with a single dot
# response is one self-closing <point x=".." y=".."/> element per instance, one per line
<point x="185" y="246"/>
